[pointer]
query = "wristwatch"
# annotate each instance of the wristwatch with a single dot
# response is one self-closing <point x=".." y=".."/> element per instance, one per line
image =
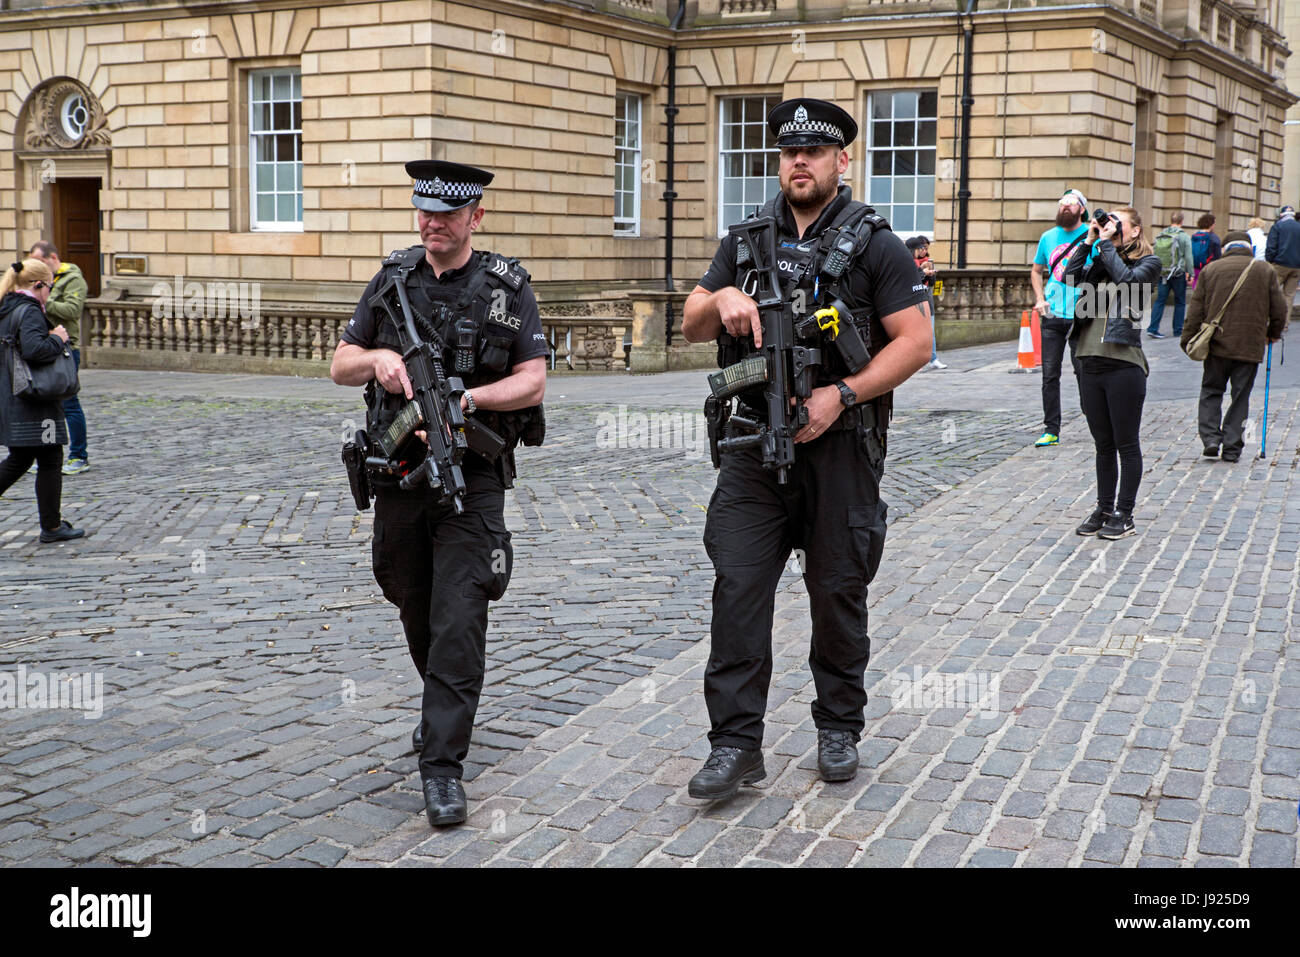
<point x="470" y="407"/>
<point x="847" y="395"/>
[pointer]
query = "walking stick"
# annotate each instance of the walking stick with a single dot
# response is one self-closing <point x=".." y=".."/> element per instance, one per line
<point x="1268" y="369"/>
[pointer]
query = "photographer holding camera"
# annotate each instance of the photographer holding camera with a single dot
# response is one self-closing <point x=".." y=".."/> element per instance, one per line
<point x="1107" y="342"/>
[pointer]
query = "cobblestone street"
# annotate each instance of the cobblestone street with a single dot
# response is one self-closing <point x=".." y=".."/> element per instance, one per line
<point x="1142" y="697"/>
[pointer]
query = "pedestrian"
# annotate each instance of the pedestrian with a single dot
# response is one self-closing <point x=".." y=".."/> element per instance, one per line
<point x="920" y="249"/>
<point x="1252" y="311"/>
<point x="1107" y="341"/>
<point x="440" y="568"/>
<point x="32" y="430"/>
<point x="66" y="304"/>
<point x="1054" y="302"/>
<point x="830" y="507"/>
<point x="1258" y="238"/>
<point x="1173" y="248"/>
<point x="1283" y="252"/>
<point x="1206" y="247"/>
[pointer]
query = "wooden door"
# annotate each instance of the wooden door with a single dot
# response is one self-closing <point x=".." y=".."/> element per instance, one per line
<point x="76" y="226"/>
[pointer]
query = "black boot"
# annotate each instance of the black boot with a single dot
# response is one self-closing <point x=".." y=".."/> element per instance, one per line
<point x="1117" y="526"/>
<point x="444" y="801"/>
<point x="837" y="755"/>
<point x="725" y="771"/>
<point x="417" y="737"/>
<point x="1093" y="524"/>
<point x="64" y="533"/>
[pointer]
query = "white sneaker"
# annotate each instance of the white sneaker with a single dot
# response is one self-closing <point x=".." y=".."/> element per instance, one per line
<point x="936" y="364"/>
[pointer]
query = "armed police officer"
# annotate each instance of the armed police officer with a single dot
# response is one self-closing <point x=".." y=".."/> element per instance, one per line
<point x="440" y="558"/>
<point x="825" y="501"/>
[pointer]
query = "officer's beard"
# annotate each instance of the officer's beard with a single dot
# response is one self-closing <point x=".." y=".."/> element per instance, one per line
<point x="821" y="194"/>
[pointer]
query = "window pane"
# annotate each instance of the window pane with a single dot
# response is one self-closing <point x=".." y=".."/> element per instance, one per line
<point x="283" y="86"/>
<point x="286" y="207"/>
<point x="904" y="217"/>
<point x="296" y="118"/>
<point x="286" y="148"/>
<point x="925" y="218"/>
<point x="905" y="105"/>
<point x="265" y="177"/>
<point x="880" y="106"/>
<point x="929" y="103"/>
<point x="263" y="149"/>
<point x="880" y="134"/>
<point x="924" y="189"/>
<point x="884" y="210"/>
<point x="282" y="116"/>
<point x="904" y="163"/>
<point x="880" y="189"/>
<point x="925" y="162"/>
<point x="881" y="163"/>
<point x="266" y="208"/>
<point x="904" y="190"/>
<point x="261" y="117"/>
<point x="905" y="133"/>
<point x="926" y="133"/>
<point x="284" y="177"/>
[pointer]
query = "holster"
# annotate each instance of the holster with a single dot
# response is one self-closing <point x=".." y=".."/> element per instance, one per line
<point x="354" y="460"/>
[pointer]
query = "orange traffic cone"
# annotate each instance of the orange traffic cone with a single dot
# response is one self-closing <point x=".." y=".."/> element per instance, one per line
<point x="1030" y="355"/>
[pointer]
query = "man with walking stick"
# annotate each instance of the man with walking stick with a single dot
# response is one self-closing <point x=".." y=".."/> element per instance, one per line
<point x="1245" y="304"/>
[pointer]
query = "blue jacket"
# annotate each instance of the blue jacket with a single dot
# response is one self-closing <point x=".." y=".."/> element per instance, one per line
<point x="1283" y="245"/>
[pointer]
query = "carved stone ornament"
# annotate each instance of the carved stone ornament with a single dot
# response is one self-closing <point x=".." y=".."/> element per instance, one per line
<point x="65" y="115"/>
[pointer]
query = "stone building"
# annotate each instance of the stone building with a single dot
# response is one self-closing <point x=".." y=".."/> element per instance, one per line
<point x="205" y="144"/>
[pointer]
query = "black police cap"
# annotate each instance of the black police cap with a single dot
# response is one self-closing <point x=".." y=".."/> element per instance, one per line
<point x="807" y="122"/>
<point x="441" y="186"/>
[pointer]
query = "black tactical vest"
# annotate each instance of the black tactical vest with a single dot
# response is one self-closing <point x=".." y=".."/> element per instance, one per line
<point x="471" y="322"/>
<point x="799" y="263"/>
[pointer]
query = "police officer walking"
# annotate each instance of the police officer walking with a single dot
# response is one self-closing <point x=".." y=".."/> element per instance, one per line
<point x="829" y="508"/>
<point x="438" y="567"/>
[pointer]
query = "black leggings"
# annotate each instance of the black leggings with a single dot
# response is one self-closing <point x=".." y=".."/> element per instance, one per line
<point x="49" y="477"/>
<point x="1112" y="401"/>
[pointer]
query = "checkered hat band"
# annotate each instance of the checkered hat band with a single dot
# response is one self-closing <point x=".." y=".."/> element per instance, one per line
<point x="442" y="187"/>
<point x="812" y="126"/>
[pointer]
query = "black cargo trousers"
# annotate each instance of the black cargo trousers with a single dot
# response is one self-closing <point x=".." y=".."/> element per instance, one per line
<point x="831" y="510"/>
<point x="441" y="569"/>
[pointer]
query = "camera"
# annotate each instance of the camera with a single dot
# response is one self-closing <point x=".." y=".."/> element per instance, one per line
<point x="1101" y="217"/>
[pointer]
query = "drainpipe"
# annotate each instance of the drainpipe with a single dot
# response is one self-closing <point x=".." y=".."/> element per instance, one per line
<point x="967" y="101"/>
<point x="669" y="194"/>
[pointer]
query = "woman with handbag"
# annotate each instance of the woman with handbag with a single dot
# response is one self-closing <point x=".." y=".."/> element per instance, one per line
<point x="1115" y="290"/>
<point x="32" y="429"/>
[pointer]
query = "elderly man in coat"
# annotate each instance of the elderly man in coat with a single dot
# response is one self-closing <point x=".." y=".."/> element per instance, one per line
<point x="1255" y="315"/>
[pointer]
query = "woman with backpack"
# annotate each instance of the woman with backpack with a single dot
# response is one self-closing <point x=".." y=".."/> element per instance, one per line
<point x="1206" y="247"/>
<point x="1112" y="367"/>
<point x="32" y="430"/>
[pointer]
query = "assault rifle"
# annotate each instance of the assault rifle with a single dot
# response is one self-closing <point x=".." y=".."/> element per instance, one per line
<point x="791" y="353"/>
<point x="435" y="409"/>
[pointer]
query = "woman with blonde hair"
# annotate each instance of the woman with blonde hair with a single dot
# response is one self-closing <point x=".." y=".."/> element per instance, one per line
<point x="32" y="430"/>
<point x="1106" y="339"/>
<point x="1258" y="238"/>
